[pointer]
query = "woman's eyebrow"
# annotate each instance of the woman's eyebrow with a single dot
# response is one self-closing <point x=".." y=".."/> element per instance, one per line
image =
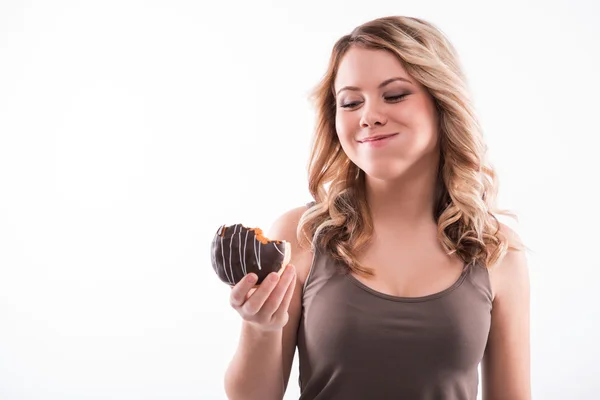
<point x="382" y="84"/>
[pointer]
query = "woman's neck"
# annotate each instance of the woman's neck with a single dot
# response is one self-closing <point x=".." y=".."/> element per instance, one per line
<point x="405" y="202"/>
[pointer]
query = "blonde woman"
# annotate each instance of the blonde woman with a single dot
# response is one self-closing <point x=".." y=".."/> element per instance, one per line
<point x="402" y="280"/>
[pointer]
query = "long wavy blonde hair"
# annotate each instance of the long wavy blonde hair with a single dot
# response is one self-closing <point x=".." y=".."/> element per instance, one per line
<point x="340" y="221"/>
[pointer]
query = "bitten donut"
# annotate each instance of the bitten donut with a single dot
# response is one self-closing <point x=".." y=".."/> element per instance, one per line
<point x="237" y="251"/>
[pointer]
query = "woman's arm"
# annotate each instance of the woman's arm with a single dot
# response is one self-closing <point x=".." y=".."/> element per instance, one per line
<point x="506" y="363"/>
<point x="261" y="366"/>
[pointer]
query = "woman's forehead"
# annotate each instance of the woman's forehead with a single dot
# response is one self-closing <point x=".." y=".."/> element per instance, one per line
<point x="368" y="67"/>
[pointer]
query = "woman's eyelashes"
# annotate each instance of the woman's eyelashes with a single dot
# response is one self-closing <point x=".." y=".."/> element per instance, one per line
<point x="397" y="97"/>
<point x="391" y="99"/>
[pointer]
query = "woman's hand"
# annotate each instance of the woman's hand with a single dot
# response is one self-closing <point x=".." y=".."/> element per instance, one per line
<point x="265" y="307"/>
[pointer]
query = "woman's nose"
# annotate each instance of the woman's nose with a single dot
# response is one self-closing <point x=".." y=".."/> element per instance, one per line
<point x="372" y="117"/>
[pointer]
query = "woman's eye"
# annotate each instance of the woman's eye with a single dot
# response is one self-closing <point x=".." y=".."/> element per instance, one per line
<point x="396" y="98"/>
<point x="387" y="98"/>
<point x="350" y="105"/>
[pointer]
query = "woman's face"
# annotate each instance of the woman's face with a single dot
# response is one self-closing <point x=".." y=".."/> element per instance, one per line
<point x="375" y="97"/>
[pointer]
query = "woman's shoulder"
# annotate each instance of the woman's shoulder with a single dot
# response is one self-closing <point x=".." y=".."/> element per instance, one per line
<point x="510" y="275"/>
<point x="285" y="227"/>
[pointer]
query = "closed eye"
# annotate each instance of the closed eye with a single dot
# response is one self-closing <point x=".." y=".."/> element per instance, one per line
<point x="396" y="98"/>
<point x="350" y="105"/>
<point x="393" y="99"/>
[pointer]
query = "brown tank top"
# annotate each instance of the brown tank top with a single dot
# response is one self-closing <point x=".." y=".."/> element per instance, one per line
<point x="357" y="343"/>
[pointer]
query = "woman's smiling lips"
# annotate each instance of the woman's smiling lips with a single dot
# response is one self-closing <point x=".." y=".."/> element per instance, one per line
<point x="377" y="140"/>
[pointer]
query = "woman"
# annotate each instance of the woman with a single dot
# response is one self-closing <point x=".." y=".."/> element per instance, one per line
<point x="410" y="281"/>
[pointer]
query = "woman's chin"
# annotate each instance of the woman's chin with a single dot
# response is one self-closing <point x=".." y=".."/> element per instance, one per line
<point x="383" y="173"/>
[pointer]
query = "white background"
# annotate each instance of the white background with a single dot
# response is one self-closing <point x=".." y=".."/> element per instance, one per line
<point x="130" y="130"/>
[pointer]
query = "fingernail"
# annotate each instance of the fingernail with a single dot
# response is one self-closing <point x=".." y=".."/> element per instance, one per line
<point x="274" y="277"/>
<point x="251" y="278"/>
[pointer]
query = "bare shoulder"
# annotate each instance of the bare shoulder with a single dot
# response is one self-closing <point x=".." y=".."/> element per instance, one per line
<point x="285" y="228"/>
<point x="510" y="275"/>
<point x="506" y="363"/>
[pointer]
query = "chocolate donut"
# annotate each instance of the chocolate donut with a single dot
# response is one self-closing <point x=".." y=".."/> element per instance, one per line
<point x="237" y="251"/>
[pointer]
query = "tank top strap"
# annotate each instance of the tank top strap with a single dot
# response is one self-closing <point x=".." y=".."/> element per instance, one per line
<point x="479" y="276"/>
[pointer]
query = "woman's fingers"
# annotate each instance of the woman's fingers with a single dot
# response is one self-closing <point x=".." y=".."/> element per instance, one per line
<point x="239" y="293"/>
<point x="285" y="303"/>
<point x="255" y="302"/>
<point x="268" y="304"/>
<point x="273" y="302"/>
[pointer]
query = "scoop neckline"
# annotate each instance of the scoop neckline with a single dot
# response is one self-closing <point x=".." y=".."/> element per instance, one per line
<point x="416" y="299"/>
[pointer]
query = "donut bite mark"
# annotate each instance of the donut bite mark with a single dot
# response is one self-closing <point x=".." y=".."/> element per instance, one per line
<point x="238" y="250"/>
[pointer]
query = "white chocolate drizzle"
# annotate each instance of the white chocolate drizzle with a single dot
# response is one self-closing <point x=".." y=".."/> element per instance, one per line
<point x="230" y="248"/>
<point x="257" y="257"/>
<point x="245" y="242"/>
<point x="277" y="248"/>
<point x="223" y="254"/>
